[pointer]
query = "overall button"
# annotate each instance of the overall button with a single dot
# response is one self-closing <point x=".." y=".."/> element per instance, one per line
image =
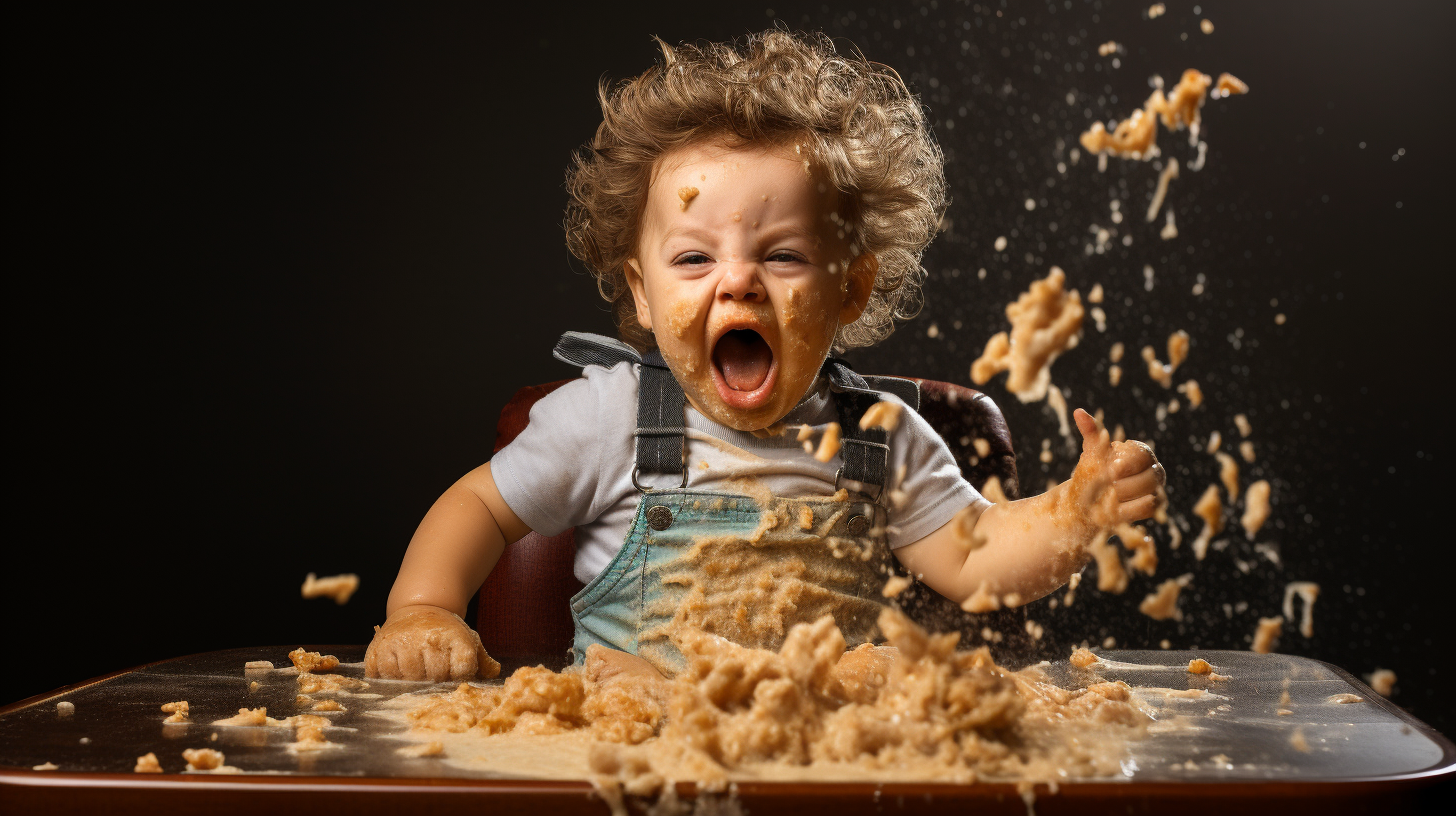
<point x="659" y="517"/>
<point x="857" y="525"/>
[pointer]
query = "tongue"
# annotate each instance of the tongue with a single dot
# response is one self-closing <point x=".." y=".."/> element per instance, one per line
<point x="744" y="359"/>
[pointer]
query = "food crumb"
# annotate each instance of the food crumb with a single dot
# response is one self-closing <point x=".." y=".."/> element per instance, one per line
<point x="1210" y="509"/>
<point x="1193" y="391"/>
<point x="329" y="705"/>
<point x="1280" y="319"/>
<point x="1283" y="712"/>
<point x="1228" y="473"/>
<point x="1256" y="507"/>
<point x="687" y="194"/>
<point x="253" y="686"/>
<point x="1242" y="422"/>
<point x="1215" y="441"/>
<point x="1046" y="320"/>
<point x="65" y="708"/>
<point x="1344" y="698"/>
<point x="1095" y="296"/>
<point x="312" y="661"/>
<point x="147" y="763"/>
<point x="1082" y="658"/>
<point x="895" y="585"/>
<point x="1199" y="666"/>
<point x="338" y="587"/>
<point x="258" y="665"/>
<point x="1163" y="603"/>
<point x="1206" y="26"/>
<point x="179" y="711"/>
<point x="1382" y="682"/>
<point x="828" y="443"/>
<point x="203" y="759"/>
<point x="1000" y="243"/>
<point x="1308" y="591"/>
<point x="1246" y="450"/>
<point x="424" y="749"/>
<point x="882" y="414"/>
<point x="1266" y="637"/>
<point x="1107" y="48"/>
<point x="1229" y="85"/>
<point x="1298" y="742"/>
<point x="48" y="766"/>
<point x="1156" y="10"/>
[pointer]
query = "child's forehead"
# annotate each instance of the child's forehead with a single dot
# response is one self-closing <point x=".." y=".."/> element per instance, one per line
<point x="779" y="171"/>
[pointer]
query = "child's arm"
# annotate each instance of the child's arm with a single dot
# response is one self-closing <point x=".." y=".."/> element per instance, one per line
<point x="452" y="552"/>
<point x="1033" y="546"/>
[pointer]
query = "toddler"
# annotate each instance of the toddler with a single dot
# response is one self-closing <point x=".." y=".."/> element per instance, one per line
<point x="748" y="209"/>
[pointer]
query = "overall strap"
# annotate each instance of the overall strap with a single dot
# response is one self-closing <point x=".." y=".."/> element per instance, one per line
<point x="864" y="451"/>
<point x="660" y="433"/>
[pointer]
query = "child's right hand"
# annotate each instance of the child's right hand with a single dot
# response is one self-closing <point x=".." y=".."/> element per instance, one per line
<point x="427" y="643"/>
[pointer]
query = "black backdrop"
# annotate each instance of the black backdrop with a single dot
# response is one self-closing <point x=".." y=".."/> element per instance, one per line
<point x="274" y="272"/>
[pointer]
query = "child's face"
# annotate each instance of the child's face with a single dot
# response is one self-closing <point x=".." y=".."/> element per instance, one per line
<point x="745" y="282"/>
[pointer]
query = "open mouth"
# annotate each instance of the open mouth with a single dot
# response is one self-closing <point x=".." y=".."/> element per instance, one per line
<point x="743" y="368"/>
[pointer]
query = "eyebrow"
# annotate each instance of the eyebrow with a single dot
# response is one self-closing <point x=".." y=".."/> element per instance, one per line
<point x="770" y="235"/>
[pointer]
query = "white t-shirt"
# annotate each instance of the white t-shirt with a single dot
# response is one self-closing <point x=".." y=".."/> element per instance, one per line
<point x="572" y="465"/>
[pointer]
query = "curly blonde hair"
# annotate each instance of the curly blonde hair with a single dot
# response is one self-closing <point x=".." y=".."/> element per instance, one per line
<point x="860" y="121"/>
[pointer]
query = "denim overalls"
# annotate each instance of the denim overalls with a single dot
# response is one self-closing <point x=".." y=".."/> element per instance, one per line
<point x="744" y="568"/>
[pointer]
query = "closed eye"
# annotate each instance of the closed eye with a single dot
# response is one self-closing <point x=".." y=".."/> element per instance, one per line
<point x="785" y="256"/>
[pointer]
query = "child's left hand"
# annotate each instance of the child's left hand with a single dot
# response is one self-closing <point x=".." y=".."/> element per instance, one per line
<point x="1116" y="482"/>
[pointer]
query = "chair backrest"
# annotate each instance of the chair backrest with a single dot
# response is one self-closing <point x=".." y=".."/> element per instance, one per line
<point x="524" y="611"/>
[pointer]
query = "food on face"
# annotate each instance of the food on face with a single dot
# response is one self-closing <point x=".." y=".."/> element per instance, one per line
<point x="338" y="587"/>
<point x="1308" y="591"/>
<point x="1382" y="681"/>
<point x="1256" y="507"/>
<point x="1210" y="509"/>
<point x="687" y="194"/>
<point x="1266" y="637"/>
<point x="147" y="763"/>
<point x="1045" y="322"/>
<point x="178" y="710"/>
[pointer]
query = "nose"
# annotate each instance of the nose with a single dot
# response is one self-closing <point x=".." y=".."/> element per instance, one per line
<point x="741" y="281"/>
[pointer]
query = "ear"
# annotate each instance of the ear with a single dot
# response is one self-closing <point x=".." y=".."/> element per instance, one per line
<point x="859" y="283"/>
<point x="633" y="270"/>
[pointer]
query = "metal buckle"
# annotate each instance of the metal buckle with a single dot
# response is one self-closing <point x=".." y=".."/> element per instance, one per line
<point x="636" y="469"/>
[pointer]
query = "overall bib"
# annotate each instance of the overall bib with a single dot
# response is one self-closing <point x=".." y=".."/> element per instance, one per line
<point x="746" y="568"/>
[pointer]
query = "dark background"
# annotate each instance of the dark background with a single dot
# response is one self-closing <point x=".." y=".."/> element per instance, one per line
<point x="274" y="273"/>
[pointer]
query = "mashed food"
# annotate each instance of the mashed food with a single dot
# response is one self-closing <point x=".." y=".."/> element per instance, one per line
<point x="916" y="708"/>
<point x="338" y="587"/>
<point x="1045" y="322"/>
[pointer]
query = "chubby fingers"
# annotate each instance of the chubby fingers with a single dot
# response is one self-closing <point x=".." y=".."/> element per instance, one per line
<point x="1144" y="483"/>
<point x="1090" y="428"/>
<point x="1133" y="457"/>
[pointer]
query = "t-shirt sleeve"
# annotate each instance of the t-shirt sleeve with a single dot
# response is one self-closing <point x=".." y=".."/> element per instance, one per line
<point x="933" y="489"/>
<point x="558" y="472"/>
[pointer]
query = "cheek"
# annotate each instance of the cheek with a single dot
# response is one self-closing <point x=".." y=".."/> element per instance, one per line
<point x="683" y="322"/>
